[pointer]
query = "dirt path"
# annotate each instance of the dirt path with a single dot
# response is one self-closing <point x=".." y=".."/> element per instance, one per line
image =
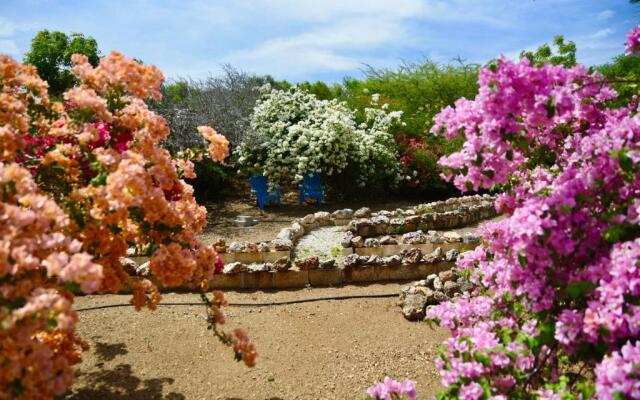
<point x="322" y="350"/>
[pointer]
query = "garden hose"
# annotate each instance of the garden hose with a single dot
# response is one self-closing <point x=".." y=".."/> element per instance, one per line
<point x="273" y="303"/>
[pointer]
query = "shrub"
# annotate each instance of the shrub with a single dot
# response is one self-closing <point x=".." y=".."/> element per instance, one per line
<point x="556" y="314"/>
<point x="80" y="183"/>
<point x="296" y="133"/>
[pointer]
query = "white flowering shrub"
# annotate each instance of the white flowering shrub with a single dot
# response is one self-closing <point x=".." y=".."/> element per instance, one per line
<point x="295" y="133"/>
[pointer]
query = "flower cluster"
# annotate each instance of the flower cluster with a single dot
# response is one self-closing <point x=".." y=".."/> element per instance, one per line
<point x="80" y="183"/>
<point x="633" y="41"/>
<point x="296" y="133"/>
<point x="390" y="389"/>
<point x="556" y="311"/>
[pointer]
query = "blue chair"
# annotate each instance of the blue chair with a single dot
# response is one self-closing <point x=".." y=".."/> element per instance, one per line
<point x="311" y="188"/>
<point x="260" y="187"/>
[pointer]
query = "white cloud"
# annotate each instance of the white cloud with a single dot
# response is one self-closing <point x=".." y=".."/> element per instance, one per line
<point x="606" y="14"/>
<point x="602" y="33"/>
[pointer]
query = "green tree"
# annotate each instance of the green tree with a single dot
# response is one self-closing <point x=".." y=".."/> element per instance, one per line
<point x="623" y="74"/>
<point x="565" y="53"/>
<point x="51" y="54"/>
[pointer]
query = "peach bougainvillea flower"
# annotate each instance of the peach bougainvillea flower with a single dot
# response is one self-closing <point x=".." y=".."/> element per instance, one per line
<point x="218" y="144"/>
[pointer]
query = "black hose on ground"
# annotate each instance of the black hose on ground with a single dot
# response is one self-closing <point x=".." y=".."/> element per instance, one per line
<point x="269" y="304"/>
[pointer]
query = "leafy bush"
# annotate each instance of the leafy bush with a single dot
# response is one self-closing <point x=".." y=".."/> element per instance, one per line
<point x="295" y="133"/>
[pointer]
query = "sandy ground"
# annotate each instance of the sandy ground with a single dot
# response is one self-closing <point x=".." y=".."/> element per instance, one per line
<point x="321" y="350"/>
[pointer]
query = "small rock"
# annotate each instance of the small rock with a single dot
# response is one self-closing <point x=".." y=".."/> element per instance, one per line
<point x="131" y="251"/>
<point x="412" y="256"/>
<point x="448" y="275"/>
<point x="450" y="288"/>
<point x="259" y="267"/>
<point x="234" y="268"/>
<point x="422" y="282"/>
<point x="392" y="261"/>
<point x="328" y="264"/>
<point x="128" y="265"/>
<point x="281" y="244"/>
<point x="263" y="247"/>
<point x="322" y="218"/>
<point x="351" y="260"/>
<point x="346" y="239"/>
<point x="430" y="280"/>
<point x="309" y="220"/>
<point x="452" y="237"/>
<point x="465" y="285"/>
<point x="380" y="219"/>
<point x="451" y="255"/>
<point x="285" y="233"/>
<point x="372" y="242"/>
<point x="469" y="238"/>
<point x="307" y="263"/>
<point x="363" y="212"/>
<point x="414" y="238"/>
<point x="297" y="230"/>
<point x="357" y="242"/>
<point x="143" y="269"/>
<point x="434" y="257"/>
<point x="282" y="264"/>
<point x="250" y="247"/>
<point x="236" y="247"/>
<point x="345" y="213"/>
<point x="388" y="240"/>
<point x="375" y="260"/>
<point x="437" y="284"/>
<point x="414" y="305"/>
<point x="439" y="296"/>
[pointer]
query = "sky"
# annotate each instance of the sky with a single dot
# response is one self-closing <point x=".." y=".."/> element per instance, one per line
<point x="308" y="40"/>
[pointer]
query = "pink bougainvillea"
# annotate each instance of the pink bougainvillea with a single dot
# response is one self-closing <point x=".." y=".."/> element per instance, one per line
<point x="557" y="313"/>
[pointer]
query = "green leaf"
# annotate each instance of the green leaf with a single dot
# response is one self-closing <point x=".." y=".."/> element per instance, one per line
<point x="551" y="107"/>
<point x="578" y="289"/>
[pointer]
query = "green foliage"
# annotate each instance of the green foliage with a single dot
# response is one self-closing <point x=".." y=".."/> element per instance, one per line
<point x="51" y="54"/>
<point x="321" y="90"/>
<point x="419" y="90"/>
<point x="565" y="53"/>
<point x="623" y="73"/>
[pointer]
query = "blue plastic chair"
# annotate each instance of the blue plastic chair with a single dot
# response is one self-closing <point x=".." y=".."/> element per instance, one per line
<point x="311" y="188"/>
<point x="260" y="187"/>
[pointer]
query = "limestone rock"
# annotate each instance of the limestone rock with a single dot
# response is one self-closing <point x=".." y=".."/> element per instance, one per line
<point x="452" y="237"/>
<point x="281" y="244"/>
<point x="351" y="260"/>
<point x="411" y="256"/>
<point x="413" y="306"/>
<point x="450" y="288"/>
<point x="392" y="261"/>
<point x="437" y="284"/>
<point x="414" y="238"/>
<point x="357" y="242"/>
<point x="346" y="239"/>
<point x="388" y="240"/>
<point x="259" y="267"/>
<point x="371" y="242"/>
<point x="322" y="218"/>
<point x="451" y="255"/>
<point x="234" y="268"/>
<point x="285" y="234"/>
<point x="362" y="212"/>
<point x="236" y="247"/>
<point x="328" y="264"/>
<point x="297" y="230"/>
<point x="345" y="213"/>
<point x="448" y="275"/>
<point x="263" y="247"/>
<point x="282" y="264"/>
<point x="434" y="257"/>
<point x="307" y="263"/>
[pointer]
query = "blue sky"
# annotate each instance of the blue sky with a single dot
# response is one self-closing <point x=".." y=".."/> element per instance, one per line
<point x="319" y="39"/>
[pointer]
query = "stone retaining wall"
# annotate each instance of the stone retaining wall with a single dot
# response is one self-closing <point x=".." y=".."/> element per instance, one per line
<point x="404" y="253"/>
